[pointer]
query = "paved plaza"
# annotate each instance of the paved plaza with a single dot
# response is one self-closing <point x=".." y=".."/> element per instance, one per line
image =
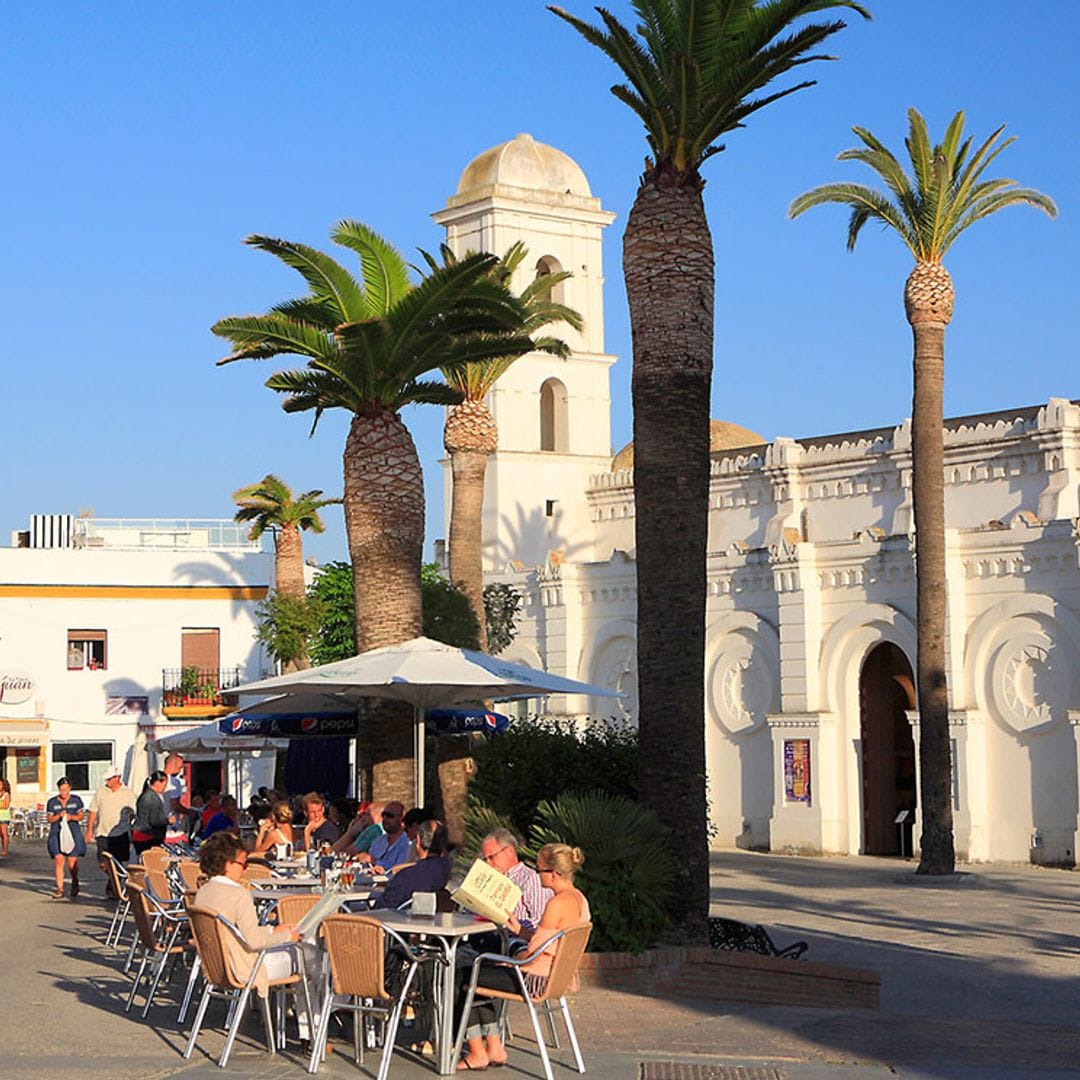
<point x="978" y="980"/>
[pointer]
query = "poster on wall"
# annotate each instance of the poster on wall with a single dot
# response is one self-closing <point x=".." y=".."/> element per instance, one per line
<point x="797" y="770"/>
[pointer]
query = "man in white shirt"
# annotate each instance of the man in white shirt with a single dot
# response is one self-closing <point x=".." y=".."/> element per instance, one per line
<point x="174" y="793"/>
<point x="500" y="851"/>
<point x="110" y="819"/>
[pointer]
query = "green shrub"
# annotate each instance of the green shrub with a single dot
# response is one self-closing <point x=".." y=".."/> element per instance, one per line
<point x="628" y="871"/>
<point x="540" y="758"/>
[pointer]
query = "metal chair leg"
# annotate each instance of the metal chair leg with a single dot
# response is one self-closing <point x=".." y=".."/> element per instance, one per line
<point x="551" y="1025"/>
<point x="237" y="1019"/>
<point x="578" y="1059"/>
<point x="199" y="1014"/>
<point x="137" y="981"/>
<point x="268" y="1024"/>
<point x="196" y="967"/>
<point x="539" y="1037"/>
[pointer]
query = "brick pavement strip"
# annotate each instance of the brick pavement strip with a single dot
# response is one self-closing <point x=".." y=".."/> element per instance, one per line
<point x="977" y="982"/>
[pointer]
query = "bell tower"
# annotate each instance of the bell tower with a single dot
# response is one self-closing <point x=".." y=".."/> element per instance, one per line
<point x="553" y="415"/>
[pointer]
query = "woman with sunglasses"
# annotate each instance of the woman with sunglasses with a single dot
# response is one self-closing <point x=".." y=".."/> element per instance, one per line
<point x="556" y="864"/>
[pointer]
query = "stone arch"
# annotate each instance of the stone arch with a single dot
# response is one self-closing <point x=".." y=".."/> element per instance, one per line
<point x="548" y="264"/>
<point x="554" y="418"/>
<point x="849" y="639"/>
<point x="610" y="659"/>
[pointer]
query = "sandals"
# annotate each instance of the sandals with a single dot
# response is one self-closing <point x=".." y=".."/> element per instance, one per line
<point x="74" y="888"/>
<point x="58" y="895"/>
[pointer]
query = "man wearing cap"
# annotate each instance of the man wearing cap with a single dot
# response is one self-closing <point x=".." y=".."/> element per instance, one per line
<point x="110" y="819"/>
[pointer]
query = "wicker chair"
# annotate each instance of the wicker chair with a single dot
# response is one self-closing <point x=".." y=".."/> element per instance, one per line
<point x="356" y="953"/>
<point x="569" y="948"/>
<point x="155" y="858"/>
<point x="157" y="932"/>
<point x="208" y="930"/>
<point x="255" y="871"/>
<point x="136" y="873"/>
<point x="118" y="878"/>
<point x="291" y="909"/>
<point x="190" y="874"/>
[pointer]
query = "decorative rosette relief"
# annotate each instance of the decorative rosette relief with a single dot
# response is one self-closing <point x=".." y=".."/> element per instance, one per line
<point x="743" y="682"/>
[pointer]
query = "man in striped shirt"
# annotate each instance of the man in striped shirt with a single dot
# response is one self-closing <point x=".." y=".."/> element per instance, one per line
<point x="500" y="851"/>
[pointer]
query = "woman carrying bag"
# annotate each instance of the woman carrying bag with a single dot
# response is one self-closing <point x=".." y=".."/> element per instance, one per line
<point x="66" y="844"/>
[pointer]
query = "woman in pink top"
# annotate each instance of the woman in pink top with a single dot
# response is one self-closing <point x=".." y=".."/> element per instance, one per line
<point x="556" y="864"/>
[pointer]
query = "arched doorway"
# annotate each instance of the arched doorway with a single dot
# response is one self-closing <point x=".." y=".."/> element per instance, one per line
<point x="886" y="692"/>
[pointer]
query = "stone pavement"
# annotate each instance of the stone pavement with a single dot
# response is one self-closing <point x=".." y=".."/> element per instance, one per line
<point x="979" y="980"/>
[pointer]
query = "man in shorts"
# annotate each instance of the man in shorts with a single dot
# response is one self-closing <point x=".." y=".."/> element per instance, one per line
<point x="110" y="820"/>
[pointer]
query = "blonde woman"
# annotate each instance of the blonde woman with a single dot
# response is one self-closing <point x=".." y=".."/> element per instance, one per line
<point x="274" y="829"/>
<point x="556" y="864"/>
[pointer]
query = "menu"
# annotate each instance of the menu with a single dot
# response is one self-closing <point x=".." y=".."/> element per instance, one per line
<point x="487" y="892"/>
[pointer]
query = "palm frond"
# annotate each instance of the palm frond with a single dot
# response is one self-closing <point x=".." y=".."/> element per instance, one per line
<point x="261" y="336"/>
<point x="328" y="280"/>
<point x="695" y="68"/>
<point x="386" y="275"/>
<point x="943" y="195"/>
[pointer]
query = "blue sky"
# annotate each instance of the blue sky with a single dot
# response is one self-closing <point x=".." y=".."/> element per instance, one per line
<point x="145" y="140"/>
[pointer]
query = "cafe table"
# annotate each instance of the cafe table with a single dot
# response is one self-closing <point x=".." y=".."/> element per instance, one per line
<point x="448" y="930"/>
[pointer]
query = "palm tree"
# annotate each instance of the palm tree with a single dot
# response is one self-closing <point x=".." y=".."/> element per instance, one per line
<point x="270" y="504"/>
<point x="368" y="344"/>
<point x="944" y="194"/>
<point x="470" y="435"/>
<point x="695" y="70"/>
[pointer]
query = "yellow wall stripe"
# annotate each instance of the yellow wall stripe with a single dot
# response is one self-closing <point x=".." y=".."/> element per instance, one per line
<point x="137" y="592"/>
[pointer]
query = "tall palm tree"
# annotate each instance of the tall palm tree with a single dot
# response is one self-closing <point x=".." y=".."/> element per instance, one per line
<point x="470" y="435"/>
<point x="368" y="344"/>
<point x="270" y="504"/>
<point x="695" y="70"/>
<point x="944" y="194"/>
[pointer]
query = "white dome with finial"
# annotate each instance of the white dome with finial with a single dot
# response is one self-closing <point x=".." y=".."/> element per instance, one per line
<point x="525" y="163"/>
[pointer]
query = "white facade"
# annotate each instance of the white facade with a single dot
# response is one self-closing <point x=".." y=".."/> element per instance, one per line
<point x="811" y="728"/>
<point x="92" y="631"/>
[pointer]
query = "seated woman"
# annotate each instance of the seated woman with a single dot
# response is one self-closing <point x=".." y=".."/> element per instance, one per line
<point x="556" y="864"/>
<point x="222" y="860"/>
<point x="274" y="829"/>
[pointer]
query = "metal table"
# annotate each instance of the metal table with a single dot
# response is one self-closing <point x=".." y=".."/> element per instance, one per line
<point x="448" y="930"/>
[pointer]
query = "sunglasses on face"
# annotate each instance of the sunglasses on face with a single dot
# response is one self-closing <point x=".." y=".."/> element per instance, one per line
<point x="495" y="854"/>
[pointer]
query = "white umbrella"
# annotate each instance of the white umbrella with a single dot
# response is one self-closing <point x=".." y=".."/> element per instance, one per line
<point x="208" y="737"/>
<point x="424" y="673"/>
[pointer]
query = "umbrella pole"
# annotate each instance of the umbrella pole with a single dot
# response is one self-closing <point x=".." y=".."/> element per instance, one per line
<point x="418" y="752"/>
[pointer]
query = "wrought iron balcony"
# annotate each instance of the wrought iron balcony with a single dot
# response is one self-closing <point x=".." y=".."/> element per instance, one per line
<point x="195" y="687"/>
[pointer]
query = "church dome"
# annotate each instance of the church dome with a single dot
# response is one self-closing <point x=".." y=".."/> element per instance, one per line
<point x="722" y="436"/>
<point x="525" y="163"/>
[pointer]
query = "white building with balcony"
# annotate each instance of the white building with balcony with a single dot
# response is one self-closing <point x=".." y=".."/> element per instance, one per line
<point x="116" y="632"/>
<point x="811" y="728"/>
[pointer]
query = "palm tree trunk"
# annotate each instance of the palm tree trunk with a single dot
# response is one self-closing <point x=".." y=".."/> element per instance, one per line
<point x="466" y="508"/>
<point x="289" y="577"/>
<point x="668" y="265"/>
<point x="384" y="522"/>
<point x="928" y="300"/>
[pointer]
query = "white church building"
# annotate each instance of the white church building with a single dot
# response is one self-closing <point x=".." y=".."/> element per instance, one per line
<point x="811" y="729"/>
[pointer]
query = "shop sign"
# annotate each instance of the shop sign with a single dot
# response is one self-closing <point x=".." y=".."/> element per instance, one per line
<point x="797" y="770"/>
<point x="15" y="687"/>
<point x="26" y="766"/>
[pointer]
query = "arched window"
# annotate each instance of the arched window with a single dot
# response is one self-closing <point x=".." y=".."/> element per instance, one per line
<point x="554" y="425"/>
<point x="548" y="264"/>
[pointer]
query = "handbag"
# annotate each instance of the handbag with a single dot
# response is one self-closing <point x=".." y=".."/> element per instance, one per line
<point x="67" y="837"/>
